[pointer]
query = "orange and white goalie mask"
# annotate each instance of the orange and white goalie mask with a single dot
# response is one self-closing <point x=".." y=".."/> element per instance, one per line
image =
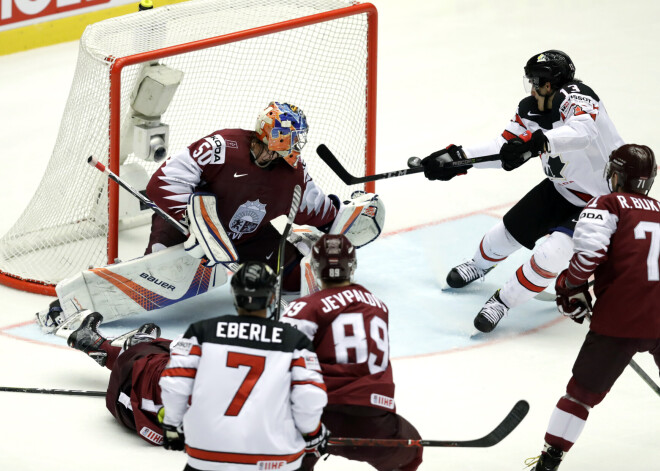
<point x="283" y="128"/>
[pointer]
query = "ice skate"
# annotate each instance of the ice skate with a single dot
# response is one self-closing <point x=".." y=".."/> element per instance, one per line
<point x="465" y="273"/>
<point x="492" y="312"/>
<point x="87" y="338"/>
<point x="145" y="333"/>
<point x="549" y="460"/>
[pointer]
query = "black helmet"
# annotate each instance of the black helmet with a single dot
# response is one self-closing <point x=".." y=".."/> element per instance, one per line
<point x="634" y="166"/>
<point x="253" y="286"/>
<point x="550" y="66"/>
<point x="333" y="258"/>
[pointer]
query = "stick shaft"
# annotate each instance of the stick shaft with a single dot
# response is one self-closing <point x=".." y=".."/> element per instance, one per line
<point x="510" y="422"/>
<point x="64" y="392"/>
<point x="114" y="177"/>
<point x="293" y="210"/>
<point x="329" y="158"/>
<point x="647" y="379"/>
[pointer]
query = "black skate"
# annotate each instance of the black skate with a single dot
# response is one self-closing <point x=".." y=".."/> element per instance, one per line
<point x="145" y="333"/>
<point x="549" y="460"/>
<point x="465" y="273"/>
<point x="492" y="312"/>
<point x="87" y="338"/>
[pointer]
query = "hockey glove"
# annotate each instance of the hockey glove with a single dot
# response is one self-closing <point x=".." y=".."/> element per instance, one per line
<point x="522" y="148"/>
<point x="173" y="438"/>
<point x="436" y="168"/>
<point x="573" y="302"/>
<point x="317" y="442"/>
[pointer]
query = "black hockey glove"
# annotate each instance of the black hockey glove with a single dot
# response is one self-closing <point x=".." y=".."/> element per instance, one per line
<point x="173" y="438"/>
<point x="317" y="442"/>
<point x="436" y="165"/>
<point x="522" y="148"/>
<point x="574" y="302"/>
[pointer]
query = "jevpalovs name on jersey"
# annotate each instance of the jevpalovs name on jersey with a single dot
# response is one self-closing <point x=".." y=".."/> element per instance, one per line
<point x="349" y="328"/>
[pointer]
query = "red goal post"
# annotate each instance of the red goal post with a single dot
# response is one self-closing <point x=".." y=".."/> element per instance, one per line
<point x="221" y="62"/>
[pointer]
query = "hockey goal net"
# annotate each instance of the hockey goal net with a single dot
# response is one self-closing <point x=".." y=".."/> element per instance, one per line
<point x="219" y="63"/>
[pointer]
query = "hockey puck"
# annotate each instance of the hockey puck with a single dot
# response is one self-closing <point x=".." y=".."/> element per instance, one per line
<point x="414" y="162"/>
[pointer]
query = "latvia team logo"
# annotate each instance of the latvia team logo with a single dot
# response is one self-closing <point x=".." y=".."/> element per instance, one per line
<point x="247" y="218"/>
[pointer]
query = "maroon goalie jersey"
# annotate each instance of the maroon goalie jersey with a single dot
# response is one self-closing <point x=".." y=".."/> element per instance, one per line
<point x="349" y="328"/>
<point x="617" y="238"/>
<point x="248" y="196"/>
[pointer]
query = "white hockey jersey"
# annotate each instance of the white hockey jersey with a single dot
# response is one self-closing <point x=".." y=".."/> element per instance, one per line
<point x="581" y="136"/>
<point x="254" y="387"/>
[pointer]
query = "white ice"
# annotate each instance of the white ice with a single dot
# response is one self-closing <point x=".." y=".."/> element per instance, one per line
<point x="449" y="72"/>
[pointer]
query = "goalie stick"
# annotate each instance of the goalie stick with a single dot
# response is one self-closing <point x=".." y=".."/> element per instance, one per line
<point x="64" y="392"/>
<point x="94" y="162"/>
<point x="500" y="432"/>
<point x="331" y="161"/>
<point x="293" y="210"/>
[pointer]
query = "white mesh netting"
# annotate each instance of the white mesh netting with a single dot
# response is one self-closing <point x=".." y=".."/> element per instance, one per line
<point x="322" y="68"/>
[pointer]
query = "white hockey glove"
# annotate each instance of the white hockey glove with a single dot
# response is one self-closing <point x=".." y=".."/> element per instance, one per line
<point x="360" y="219"/>
<point x="304" y="238"/>
<point x="207" y="236"/>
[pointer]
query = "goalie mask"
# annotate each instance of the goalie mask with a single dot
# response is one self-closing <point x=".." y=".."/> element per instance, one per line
<point x="550" y="66"/>
<point x="253" y="286"/>
<point x="634" y="166"/>
<point x="333" y="258"/>
<point x="283" y="128"/>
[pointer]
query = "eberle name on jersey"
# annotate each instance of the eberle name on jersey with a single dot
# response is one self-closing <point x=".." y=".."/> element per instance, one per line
<point x="249" y="331"/>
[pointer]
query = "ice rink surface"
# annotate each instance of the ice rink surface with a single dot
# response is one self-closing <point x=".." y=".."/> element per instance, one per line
<point x="449" y="72"/>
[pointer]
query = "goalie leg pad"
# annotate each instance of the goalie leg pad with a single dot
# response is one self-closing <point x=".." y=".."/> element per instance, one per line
<point x="144" y="284"/>
<point x="207" y="235"/>
<point x="360" y="219"/>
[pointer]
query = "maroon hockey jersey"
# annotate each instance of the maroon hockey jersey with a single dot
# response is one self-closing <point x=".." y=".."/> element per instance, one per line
<point x="617" y="238"/>
<point x="248" y="196"/>
<point x="349" y="328"/>
<point x="133" y="395"/>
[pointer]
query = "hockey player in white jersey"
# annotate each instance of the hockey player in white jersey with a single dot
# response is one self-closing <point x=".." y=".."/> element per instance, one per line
<point x="254" y="386"/>
<point x="564" y="122"/>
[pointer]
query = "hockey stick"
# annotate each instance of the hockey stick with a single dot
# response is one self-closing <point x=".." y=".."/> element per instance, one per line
<point x="293" y="210"/>
<point x="329" y="158"/>
<point x="510" y="422"/>
<point x="642" y="374"/>
<point x="65" y="392"/>
<point x="545" y="296"/>
<point x="94" y="162"/>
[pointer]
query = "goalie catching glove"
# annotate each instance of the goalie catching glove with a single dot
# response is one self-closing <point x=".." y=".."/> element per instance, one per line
<point x="360" y="219"/>
<point x="207" y="236"/>
<point x="573" y="301"/>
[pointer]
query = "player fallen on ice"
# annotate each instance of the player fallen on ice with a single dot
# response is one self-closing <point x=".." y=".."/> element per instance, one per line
<point x="139" y="359"/>
<point x="226" y="188"/>
<point x="617" y="240"/>
<point x="348" y="326"/>
<point x="564" y="122"/>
